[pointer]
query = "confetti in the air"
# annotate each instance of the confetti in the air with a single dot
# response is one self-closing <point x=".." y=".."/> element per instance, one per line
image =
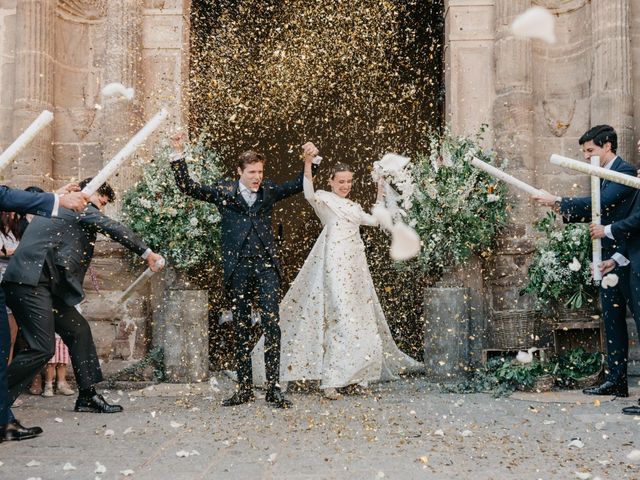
<point x="118" y="89"/>
<point x="536" y="22"/>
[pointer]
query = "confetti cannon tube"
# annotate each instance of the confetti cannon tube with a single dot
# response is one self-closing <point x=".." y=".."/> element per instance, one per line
<point x="141" y="280"/>
<point x="25" y="138"/>
<point x="505" y="177"/>
<point x="595" y="218"/>
<point x="601" y="172"/>
<point x="113" y="165"/>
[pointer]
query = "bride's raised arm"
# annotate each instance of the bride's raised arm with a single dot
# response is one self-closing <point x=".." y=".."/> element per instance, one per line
<point x="368" y="219"/>
<point x="310" y="151"/>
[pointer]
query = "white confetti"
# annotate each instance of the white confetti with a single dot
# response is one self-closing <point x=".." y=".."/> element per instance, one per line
<point x="576" y="442"/>
<point x="272" y="458"/>
<point x="634" y="456"/>
<point x="600" y="425"/>
<point x="68" y="467"/>
<point x="109" y="433"/>
<point x="100" y="468"/>
<point x="467" y="433"/>
<point x="583" y="475"/>
<point x="536" y="22"/>
<point x="194" y="453"/>
<point x="175" y="424"/>
<point x="127" y="430"/>
<point x="117" y="89"/>
<point x="610" y="280"/>
<point x="182" y="454"/>
<point x="127" y="473"/>
<point x="153" y="414"/>
<point x="57" y="419"/>
<point x="33" y="463"/>
<point x="439" y="432"/>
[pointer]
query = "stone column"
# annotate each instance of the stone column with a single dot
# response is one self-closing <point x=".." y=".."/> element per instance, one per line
<point x="122" y="119"/>
<point x="514" y="133"/>
<point x="34" y="89"/>
<point x="612" y="91"/>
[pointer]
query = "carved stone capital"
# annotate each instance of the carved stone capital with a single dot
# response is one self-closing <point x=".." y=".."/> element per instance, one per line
<point x="84" y="11"/>
<point x="561" y="6"/>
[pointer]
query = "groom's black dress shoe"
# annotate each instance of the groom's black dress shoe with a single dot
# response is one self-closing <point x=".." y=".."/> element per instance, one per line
<point x="241" y="396"/>
<point x="633" y="410"/>
<point x="276" y="398"/>
<point x="95" y="404"/>
<point x="14" y="431"/>
<point x="608" y="388"/>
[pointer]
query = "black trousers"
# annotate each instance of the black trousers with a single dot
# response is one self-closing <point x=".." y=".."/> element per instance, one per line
<point x="40" y="315"/>
<point x="614" y="312"/>
<point x="256" y="279"/>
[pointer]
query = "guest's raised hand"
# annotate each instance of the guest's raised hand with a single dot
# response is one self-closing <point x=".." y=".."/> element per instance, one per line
<point x="309" y="152"/>
<point x="68" y="188"/>
<point x="178" y="141"/>
<point x="545" y="198"/>
<point x="74" y="201"/>
<point x="156" y="262"/>
<point x="596" y="231"/>
<point x="606" y="266"/>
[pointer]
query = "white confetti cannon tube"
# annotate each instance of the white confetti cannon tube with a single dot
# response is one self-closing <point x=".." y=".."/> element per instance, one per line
<point x="25" y="138"/>
<point x="144" y="276"/>
<point x="113" y="165"/>
<point x="601" y="172"/>
<point x="596" y="244"/>
<point x="505" y="177"/>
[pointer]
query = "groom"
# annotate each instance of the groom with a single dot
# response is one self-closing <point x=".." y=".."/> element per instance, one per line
<point x="250" y="263"/>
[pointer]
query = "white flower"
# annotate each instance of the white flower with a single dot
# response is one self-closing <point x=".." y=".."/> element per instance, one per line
<point x="492" y="198"/>
<point x="193" y="221"/>
<point x="575" y="265"/>
<point x="172" y="211"/>
<point x="145" y="203"/>
<point x="610" y="280"/>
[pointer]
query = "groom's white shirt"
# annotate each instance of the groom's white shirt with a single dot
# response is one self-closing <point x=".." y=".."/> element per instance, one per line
<point x="249" y="196"/>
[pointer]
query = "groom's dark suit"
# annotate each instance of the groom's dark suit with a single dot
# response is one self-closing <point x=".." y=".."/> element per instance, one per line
<point x="616" y="200"/>
<point x="250" y="261"/>
<point x="43" y="283"/>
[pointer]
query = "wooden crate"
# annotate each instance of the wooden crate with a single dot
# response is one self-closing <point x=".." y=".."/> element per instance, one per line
<point x="571" y="335"/>
<point x="541" y="354"/>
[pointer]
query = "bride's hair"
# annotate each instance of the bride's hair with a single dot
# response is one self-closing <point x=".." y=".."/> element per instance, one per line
<point x="340" y="167"/>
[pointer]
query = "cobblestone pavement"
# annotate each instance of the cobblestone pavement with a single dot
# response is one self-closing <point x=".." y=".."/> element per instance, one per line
<point x="401" y="430"/>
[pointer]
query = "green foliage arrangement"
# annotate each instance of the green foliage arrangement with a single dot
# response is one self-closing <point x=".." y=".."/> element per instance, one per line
<point x="183" y="230"/>
<point x="501" y="376"/>
<point x="456" y="208"/>
<point x="560" y="271"/>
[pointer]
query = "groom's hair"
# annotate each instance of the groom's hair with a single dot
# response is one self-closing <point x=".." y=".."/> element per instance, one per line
<point x="105" y="189"/>
<point x="247" y="158"/>
<point x="340" y="167"/>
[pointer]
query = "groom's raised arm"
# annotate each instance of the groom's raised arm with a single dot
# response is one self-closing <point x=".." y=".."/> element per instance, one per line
<point x="206" y="193"/>
<point x="295" y="185"/>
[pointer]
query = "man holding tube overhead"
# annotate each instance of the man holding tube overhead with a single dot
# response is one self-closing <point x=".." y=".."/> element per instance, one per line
<point x="43" y="283"/>
<point x="627" y="233"/>
<point x="615" y="200"/>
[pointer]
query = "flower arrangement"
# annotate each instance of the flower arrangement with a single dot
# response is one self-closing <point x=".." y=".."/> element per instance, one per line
<point x="182" y="229"/>
<point x="456" y="209"/>
<point x="561" y="267"/>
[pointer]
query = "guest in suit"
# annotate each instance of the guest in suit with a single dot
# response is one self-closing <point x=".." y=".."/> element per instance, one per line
<point x="616" y="200"/>
<point x="250" y="262"/>
<point x="48" y="205"/>
<point x="43" y="283"/>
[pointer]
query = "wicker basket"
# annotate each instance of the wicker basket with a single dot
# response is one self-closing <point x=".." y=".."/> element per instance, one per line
<point x="514" y="329"/>
<point x="564" y="314"/>
<point x="589" y="381"/>
<point x="543" y="383"/>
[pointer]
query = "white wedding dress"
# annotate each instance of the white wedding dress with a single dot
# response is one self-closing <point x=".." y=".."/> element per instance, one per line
<point x="333" y="327"/>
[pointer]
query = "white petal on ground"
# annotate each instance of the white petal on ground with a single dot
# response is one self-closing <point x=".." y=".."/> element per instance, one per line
<point x="1" y="464"/>
<point x="182" y="454"/>
<point x="117" y="89"/>
<point x="127" y="473"/>
<point x="600" y="425"/>
<point x="68" y="467"/>
<point x="467" y="433"/>
<point x="634" y="456"/>
<point x="272" y="458"/>
<point x="175" y="424"/>
<point x="575" y="265"/>
<point x="439" y="432"/>
<point x="194" y="453"/>
<point x="576" y="442"/>
<point x="583" y="475"/>
<point x="536" y="22"/>
<point x="57" y="419"/>
<point x="405" y="242"/>
<point x="128" y="430"/>
<point x="100" y="468"/>
<point x="109" y="433"/>
<point x="610" y="280"/>
<point x="33" y="463"/>
<point x="153" y="414"/>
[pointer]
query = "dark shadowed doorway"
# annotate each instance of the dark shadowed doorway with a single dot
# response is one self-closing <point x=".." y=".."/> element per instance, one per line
<point x="358" y="78"/>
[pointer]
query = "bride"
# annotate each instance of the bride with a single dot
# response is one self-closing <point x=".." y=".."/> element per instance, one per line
<point x="333" y="327"/>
